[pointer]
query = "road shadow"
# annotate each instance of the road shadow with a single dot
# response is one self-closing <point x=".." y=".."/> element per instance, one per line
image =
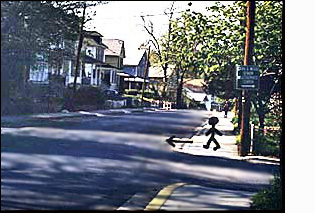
<point x="81" y="169"/>
<point x="179" y="123"/>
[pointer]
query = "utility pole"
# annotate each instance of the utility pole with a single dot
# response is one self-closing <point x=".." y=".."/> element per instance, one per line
<point x="248" y="60"/>
<point x="145" y="74"/>
<point x="70" y="103"/>
<point x="79" y="49"/>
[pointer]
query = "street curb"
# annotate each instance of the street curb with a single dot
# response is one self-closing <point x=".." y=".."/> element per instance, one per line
<point x="138" y="201"/>
<point x="149" y="201"/>
<point x="162" y="196"/>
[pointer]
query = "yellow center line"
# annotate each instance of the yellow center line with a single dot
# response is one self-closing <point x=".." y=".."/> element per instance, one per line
<point x="162" y="196"/>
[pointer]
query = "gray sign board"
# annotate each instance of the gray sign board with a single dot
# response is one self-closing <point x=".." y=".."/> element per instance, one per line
<point x="247" y="77"/>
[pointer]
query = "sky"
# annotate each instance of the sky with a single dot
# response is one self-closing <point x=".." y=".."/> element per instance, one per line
<point x="122" y="20"/>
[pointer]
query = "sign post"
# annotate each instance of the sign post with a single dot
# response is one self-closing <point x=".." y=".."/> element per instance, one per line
<point x="247" y="77"/>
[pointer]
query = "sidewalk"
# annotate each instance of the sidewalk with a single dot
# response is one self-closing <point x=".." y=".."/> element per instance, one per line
<point x="194" y="198"/>
<point x="227" y="142"/>
<point x="187" y="197"/>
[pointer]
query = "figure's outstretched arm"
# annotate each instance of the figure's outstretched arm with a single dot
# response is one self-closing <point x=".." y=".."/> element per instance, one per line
<point x="208" y="132"/>
<point x="218" y="132"/>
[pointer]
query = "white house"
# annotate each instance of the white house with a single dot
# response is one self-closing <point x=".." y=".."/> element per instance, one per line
<point x="96" y="70"/>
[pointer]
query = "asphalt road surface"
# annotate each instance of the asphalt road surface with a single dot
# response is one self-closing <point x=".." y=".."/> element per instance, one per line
<point x="100" y="162"/>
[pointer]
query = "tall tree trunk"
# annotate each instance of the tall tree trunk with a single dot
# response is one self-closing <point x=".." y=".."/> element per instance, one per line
<point x="261" y="115"/>
<point x="179" y="101"/>
<point x="70" y="103"/>
<point x="164" y="81"/>
<point x="239" y="112"/>
<point x="5" y="86"/>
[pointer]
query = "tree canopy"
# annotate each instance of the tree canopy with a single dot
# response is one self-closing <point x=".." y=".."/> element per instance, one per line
<point x="210" y="45"/>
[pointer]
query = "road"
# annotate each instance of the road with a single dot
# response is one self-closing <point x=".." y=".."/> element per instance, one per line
<point x="100" y="162"/>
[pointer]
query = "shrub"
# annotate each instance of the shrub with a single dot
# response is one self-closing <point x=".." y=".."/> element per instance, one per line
<point x="87" y="96"/>
<point x="265" y="145"/>
<point x="238" y="139"/>
<point x="271" y="198"/>
<point x="234" y="120"/>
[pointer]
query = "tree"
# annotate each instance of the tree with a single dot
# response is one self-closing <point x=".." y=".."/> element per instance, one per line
<point x="268" y="55"/>
<point x="162" y="54"/>
<point x="182" y="49"/>
<point x="75" y="7"/>
<point x="27" y="28"/>
<point x="268" y="47"/>
<point x="214" y="43"/>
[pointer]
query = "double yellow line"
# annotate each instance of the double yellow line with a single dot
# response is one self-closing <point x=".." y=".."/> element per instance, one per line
<point x="162" y="196"/>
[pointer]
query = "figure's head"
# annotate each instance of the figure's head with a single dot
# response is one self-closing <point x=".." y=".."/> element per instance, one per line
<point x="213" y="120"/>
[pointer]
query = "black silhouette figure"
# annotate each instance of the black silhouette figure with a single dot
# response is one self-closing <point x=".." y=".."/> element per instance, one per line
<point x="213" y="121"/>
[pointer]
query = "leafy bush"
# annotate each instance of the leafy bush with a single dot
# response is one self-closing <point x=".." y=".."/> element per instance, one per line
<point x="271" y="198"/>
<point x="234" y="120"/>
<point x="238" y="139"/>
<point x="265" y="145"/>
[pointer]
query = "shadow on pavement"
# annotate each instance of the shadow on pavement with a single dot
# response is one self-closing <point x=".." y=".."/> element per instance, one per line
<point x="81" y="168"/>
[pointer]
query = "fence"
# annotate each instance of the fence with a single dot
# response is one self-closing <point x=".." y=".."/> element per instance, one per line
<point x="167" y="105"/>
<point x="115" y="104"/>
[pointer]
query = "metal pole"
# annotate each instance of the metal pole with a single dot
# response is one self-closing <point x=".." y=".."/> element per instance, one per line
<point x="249" y="47"/>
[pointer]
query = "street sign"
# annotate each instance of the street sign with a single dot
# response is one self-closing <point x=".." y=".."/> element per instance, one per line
<point x="247" y="77"/>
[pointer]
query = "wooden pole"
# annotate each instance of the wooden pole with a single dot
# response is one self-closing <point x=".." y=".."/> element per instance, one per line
<point x="248" y="60"/>
<point x="81" y="36"/>
<point x="145" y="75"/>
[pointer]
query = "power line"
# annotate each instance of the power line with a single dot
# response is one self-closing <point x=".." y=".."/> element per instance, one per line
<point x="139" y="16"/>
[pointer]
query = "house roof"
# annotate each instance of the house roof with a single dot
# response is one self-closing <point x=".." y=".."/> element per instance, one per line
<point x="90" y="42"/>
<point x="92" y="33"/>
<point x="115" y="47"/>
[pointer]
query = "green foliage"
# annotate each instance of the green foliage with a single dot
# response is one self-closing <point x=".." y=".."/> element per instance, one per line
<point x="238" y="139"/>
<point x="269" y="199"/>
<point x="34" y="25"/>
<point x="211" y="44"/>
<point x="27" y="28"/>
<point x="267" y="144"/>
